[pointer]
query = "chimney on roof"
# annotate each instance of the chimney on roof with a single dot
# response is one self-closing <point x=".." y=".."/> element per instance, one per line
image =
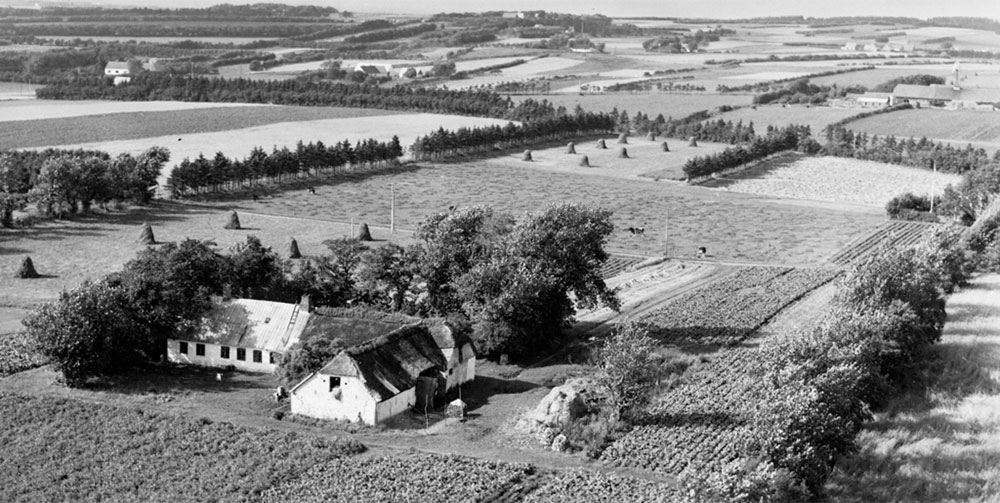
<point x="304" y="303"/>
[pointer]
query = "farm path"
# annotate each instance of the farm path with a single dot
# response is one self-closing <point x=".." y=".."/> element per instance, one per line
<point x="941" y="443"/>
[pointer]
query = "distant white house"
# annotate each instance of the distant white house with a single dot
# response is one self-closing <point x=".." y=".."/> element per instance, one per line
<point x="374" y="381"/>
<point x="373" y="69"/>
<point x="119" y="70"/>
<point x="249" y="335"/>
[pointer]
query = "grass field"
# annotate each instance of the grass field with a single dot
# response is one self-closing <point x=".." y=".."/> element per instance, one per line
<point x="944" y="446"/>
<point x="138" y="124"/>
<point x="59" y="109"/>
<point x="982" y="129"/>
<point x="834" y="179"/>
<point x="651" y="104"/>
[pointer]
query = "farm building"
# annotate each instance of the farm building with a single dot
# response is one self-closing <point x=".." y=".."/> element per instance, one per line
<point x="371" y="382"/>
<point x="370" y="69"/>
<point x="119" y="70"/>
<point x="246" y="334"/>
<point x="866" y="100"/>
<point x="951" y="97"/>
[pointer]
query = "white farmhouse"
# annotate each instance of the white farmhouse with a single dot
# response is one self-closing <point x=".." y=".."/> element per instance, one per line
<point x="371" y="382"/>
<point x="245" y="334"/>
<point x="119" y="70"/>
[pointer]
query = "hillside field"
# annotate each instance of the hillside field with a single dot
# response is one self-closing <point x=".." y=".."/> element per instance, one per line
<point x="981" y="129"/>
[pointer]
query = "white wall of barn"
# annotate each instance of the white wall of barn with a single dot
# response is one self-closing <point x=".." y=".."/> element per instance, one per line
<point x="213" y="357"/>
<point x="350" y="402"/>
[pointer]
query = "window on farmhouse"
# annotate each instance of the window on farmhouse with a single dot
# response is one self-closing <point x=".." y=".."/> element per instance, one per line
<point x="199" y="349"/>
<point x="224" y="352"/>
<point x="184" y="348"/>
<point x="257" y="356"/>
<point x="241" y="354"/>
<point x="334" y="383"/>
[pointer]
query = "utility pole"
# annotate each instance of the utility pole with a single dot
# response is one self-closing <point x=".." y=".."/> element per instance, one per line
<point x="392" y="210"/>
<point x="666" y="234"/>
<point x="934" y="169"/>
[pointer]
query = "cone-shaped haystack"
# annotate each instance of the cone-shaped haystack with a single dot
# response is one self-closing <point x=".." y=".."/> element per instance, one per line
<point x="234" y="221"/>
<point x="651" y="136"/>
<point x="27" y="270"/>
<point x="665" y="147"/>
<point x="363" y="233"/>
<point x="146" y="235"/>
<point x="293" y="249"/>
<point x="692" y="142"/>
<point x="571" y="148"/>
<point x="623" y="154"/>
<point x="601" y="144"/>
<point x="526" y="156"/>
<point x="623" y="139"/>
<point x="585" y="162"/>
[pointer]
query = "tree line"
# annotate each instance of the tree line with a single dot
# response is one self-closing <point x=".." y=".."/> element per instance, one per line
<point x="203" y="175"/>
<point x="776" y="140"/>
<point x="922" y="153"/>
<point x="62" y="182"/>
<point x="156" y="86"/>
<point x="444" y="143"/>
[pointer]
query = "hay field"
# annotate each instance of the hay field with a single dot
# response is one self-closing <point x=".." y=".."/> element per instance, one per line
<point x="668" y="104"/>
<point x="530" y="69"/>
<point x="70" y="251"/>
<point x="139" y="125"/>
<point x="815" y="117"/>
<point x="734" y="227"/>
<point x="15" y="91"/>
<point x="834" y="179"/>
<point x="646" y="158"/>
<point x="979" y="128"/>
<point x="945" y="445"/>
<point x="239" y="142"/>
<point x="59" y="109"/>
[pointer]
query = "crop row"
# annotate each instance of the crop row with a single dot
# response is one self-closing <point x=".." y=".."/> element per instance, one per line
<point x="728" y="310"/>
<point x="704" y="422"/>
<point x="894" y="233"/>
<point x="58" y="449"/>
<point x="17" y="354"/>
<point x="581" y="486"/>
<point x="616" y="264"/>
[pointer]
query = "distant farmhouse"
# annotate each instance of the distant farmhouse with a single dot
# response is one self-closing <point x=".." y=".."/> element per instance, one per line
<point x="407" y="368"/>
<point x="119" y="70"/>
<point x="245" y="334"/>
<point x="373" y="69"/>
<point x="950" y="97"/>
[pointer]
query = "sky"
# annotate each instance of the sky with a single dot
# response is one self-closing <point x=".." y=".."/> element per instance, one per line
<point x="631" y="8"/>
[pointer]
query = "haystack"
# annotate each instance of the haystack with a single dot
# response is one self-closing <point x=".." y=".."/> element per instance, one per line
<point x="601" y="144"/>
<point x="623" y="139"/>
<point x="363" y="233"/>
<point x="651" y="136"/>
<point x="692" y="142"/>
<point x="27" y="269"/>
<point x="585" y="162"/>
<point x="526" y="156"/>
<point x="665" y="147"/>
<point x="571" y="148"/>
<point x="146" y="235"/>
<point x="234" y="221"/>
<point x="293" y="249"/>
<point x="623" y="154"/>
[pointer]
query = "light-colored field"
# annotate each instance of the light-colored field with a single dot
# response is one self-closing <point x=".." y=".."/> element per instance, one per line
<point x="530" y="69"/>
<point x="835" y="179"/>
<point x="169" y="40"/>
<point x="766" y="76"/>
<point x="102" y="244"/>
<point x="816" y="117"/>
<point x="239" y="142"/>
<point x="982" y="129"/>
<point x="56" y="109"/>
<point x="946" y="446"/>
<point x="16" y="91"/>
<point x="646" y="158"/>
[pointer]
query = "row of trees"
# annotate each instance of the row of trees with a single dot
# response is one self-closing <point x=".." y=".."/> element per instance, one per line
<point x="788" y="138"/>
<point x="203" y="175"/>
<point x="156" y="86"/>
<point x="390" y="34"/>
<point x="69" y="181"/>
<point x="443" y="143"/>
<point x="922" y="153"/>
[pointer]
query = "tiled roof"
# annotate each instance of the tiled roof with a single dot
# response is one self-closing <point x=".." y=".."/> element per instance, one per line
<point x="256" y="324"/>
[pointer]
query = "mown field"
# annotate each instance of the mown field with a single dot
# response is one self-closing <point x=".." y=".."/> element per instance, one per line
<point x="981" y="129"/>
<point x="57" y="109"/>
<point x="58" y="126"/>
<point x="815" y="117"/>
<point x="834" y="179"/>
<point x="651" y="104"/>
